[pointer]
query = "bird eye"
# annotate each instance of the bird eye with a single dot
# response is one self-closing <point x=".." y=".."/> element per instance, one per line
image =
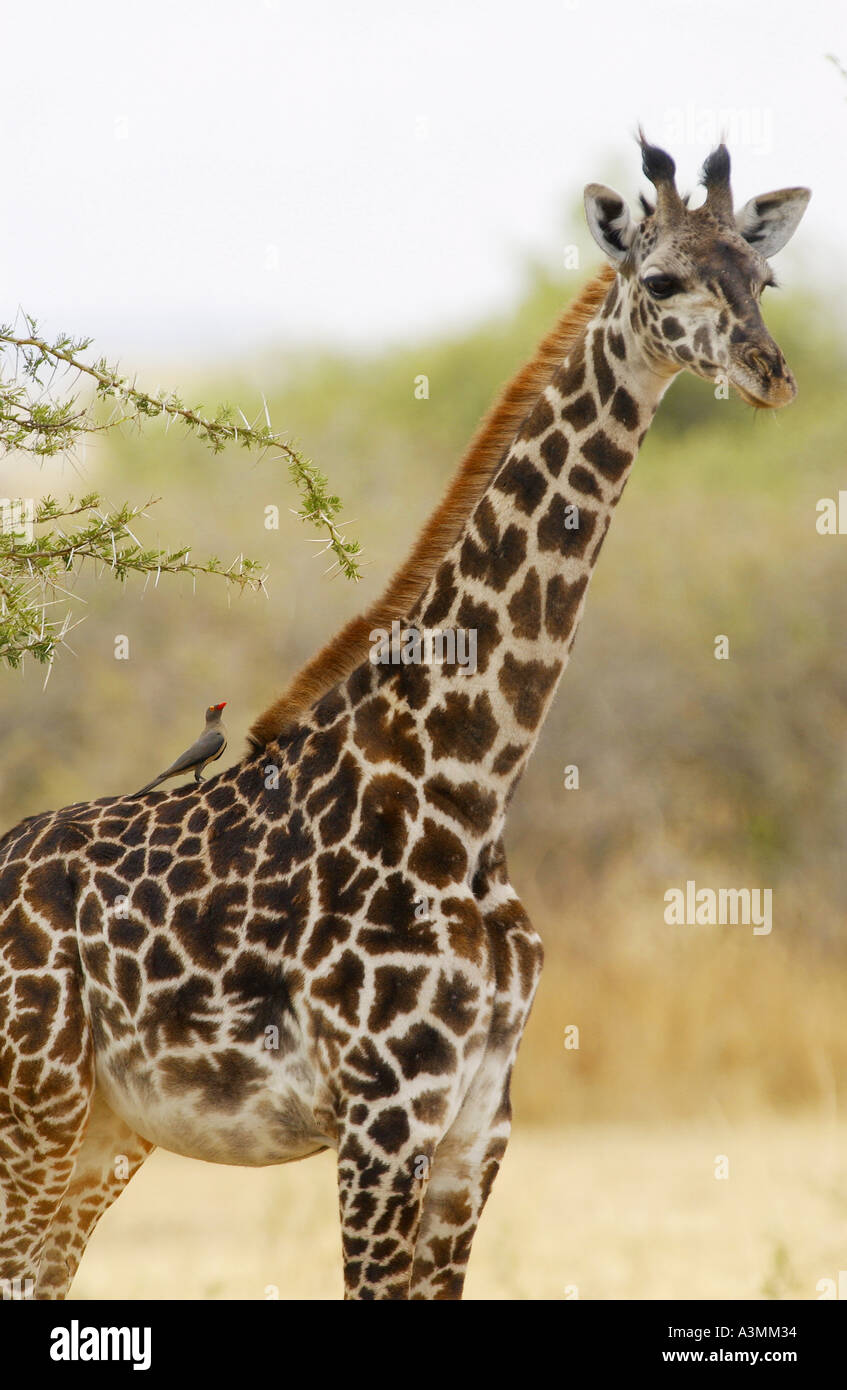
<point x="660" y="286"/>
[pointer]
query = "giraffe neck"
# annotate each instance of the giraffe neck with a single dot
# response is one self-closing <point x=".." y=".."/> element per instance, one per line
<point x="517" y="575"/>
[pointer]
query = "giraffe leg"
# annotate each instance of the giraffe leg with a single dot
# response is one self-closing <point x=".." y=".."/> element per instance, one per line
<point x="467" y="1159"/>
<point x="110" y="1154"/>
<point x="463" y="1171"/>
<point x="46" y="1090"/>
<point x="38" y="1149"/>
<point x="380" y="1198"/>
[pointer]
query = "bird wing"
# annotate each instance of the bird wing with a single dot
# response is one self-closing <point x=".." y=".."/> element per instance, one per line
<point x="209" y="745"/>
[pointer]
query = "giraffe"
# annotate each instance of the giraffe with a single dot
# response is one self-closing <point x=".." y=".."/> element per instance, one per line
<point x="321" y="947"/>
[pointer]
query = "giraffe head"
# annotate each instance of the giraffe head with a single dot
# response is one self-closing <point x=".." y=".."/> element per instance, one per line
<point x="690" y="279"/>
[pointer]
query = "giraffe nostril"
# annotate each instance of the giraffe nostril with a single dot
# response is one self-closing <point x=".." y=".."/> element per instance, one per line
<point x="766" y="362"/>
<point x="757" y="361"/>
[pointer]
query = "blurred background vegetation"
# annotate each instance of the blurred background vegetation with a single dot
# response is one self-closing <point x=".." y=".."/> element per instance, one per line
<point x="730" y="773"/>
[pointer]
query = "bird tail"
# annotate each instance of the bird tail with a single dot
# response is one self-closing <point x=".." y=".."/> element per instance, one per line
<point x="149" y="787"/>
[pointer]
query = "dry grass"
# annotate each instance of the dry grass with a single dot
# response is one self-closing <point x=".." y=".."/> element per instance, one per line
<point x="620" y="1212"/>
<point x="677" y="1021"/>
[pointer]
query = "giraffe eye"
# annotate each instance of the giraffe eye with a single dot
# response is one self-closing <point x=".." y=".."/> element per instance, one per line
<point x="660" y="286"/>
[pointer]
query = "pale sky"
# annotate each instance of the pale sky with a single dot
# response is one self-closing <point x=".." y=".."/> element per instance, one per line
<point x="189" y="180"/>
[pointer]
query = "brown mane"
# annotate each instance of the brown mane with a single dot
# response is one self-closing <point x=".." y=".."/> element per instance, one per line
<point x="344" y="652"/>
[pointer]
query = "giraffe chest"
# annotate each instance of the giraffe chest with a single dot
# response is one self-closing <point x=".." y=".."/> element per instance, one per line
<point x="237" y="1015"/>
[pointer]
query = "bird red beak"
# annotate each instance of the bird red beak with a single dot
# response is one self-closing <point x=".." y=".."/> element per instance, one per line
<point x="222" y="705"/>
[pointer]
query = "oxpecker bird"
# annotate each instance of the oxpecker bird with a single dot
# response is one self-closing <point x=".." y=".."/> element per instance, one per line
<point x="207" y="748"/>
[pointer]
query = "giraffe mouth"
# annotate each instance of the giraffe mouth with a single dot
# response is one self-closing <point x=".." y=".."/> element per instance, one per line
<point x="763" y="379"/>
<point x="770" y="396"/>
<point x="758" y="402"/>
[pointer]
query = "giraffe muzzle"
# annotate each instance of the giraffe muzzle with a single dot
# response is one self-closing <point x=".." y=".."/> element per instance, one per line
<point x="761" y="376"/>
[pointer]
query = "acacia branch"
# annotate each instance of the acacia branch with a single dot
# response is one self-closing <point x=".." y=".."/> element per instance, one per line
<point x="44" y="428"/>
<point x="34" y="422"/>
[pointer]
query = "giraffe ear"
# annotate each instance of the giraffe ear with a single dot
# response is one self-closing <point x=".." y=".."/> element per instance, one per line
<point x="609" y="221"/>
<point x="771" y="220"/>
